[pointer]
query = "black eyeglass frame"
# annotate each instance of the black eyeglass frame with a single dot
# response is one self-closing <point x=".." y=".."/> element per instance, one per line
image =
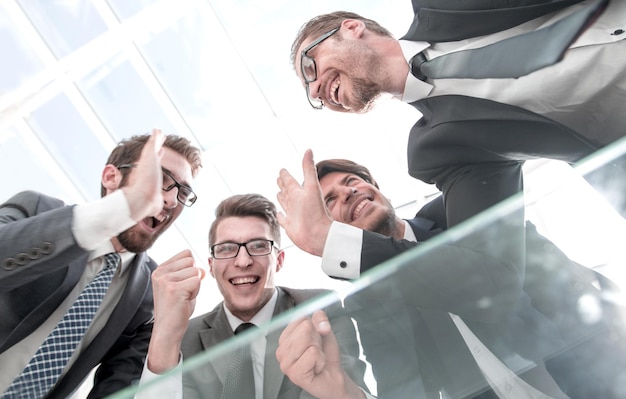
<point x="242" y="244"/>
<point x="191" y="198"/>
<point x="311" y="61"/>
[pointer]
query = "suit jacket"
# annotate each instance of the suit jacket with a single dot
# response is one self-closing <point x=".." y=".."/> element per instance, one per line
<point x="40" y="263"/>
<point x="452" y="20"/>
<point x="207" y="331"/>
<point x="544" y="325"/>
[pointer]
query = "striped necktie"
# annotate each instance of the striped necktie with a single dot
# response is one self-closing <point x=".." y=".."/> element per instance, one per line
<point x="513" y="57"/>
<point x="45" y="367"/>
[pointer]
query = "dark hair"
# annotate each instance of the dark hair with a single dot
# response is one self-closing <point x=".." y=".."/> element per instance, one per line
<point x="343" y="165"/>
<point x="247" y="205"/>
<point x="327" y="22"/>
<point x="128" y="151"/>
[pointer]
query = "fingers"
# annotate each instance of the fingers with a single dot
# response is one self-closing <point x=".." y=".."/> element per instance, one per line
<point x="180" y="273"/>
<point x="155" y="142"/>
<point x="300" y="351"/>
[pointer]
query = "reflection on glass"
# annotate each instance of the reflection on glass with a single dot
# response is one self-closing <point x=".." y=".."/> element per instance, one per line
<point x="58" y="21"/>
<point x="71" y="143"/>
<point x="481" y="311"/>
<point x="24" y="62"/>
<point x="119" y="96"/>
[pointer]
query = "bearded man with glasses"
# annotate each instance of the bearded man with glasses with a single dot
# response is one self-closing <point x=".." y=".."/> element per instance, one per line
<point x="75" y="280"/>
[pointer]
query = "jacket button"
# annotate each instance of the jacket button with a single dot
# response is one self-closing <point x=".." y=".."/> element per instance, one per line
<point x="617" y="32"/>
<point x="343" y="264"/>
<point x="47" y="247"/>
<point x="35" y="253"/>
<point x="9" y="264"/>
<point x="22" y="258"/>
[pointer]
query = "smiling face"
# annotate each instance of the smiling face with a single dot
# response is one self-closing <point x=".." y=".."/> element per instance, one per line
<point x="353" y="201"/>
<point x="349" y="70"/>
<point x="246" y="282"/>
<point x="141" y="236"/>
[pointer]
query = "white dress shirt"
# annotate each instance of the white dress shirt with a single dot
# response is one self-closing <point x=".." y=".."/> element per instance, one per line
<point x="586" y="91"/>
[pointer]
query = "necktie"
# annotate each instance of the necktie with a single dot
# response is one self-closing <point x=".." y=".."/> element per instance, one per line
<point x="239" y="381"/>
<point x="513" y="57"/>
<point x="45" y="367"/>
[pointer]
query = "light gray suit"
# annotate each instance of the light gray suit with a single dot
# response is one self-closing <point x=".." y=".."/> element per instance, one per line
<point x="206" y="331"/>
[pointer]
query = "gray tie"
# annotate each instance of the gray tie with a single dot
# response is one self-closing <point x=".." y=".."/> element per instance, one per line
<point x="239" y="381"/>
<point x="513" y="57"/>
<point x="45" y="367"/>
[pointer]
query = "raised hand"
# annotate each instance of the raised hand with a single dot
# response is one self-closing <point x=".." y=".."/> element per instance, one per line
<point x="305" y="217"/>
<point x="175" y="285"/>
<point x="309" y="355"/>
<point x="144" y="186"/>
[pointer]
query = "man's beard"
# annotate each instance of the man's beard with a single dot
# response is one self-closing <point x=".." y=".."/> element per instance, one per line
<point x="365" y="93"/>
<point x="137" y="241"/>
<point x="385" y="225"/>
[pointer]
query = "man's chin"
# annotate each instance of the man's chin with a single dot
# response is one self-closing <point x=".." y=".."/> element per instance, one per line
<point x="136" y="241"/>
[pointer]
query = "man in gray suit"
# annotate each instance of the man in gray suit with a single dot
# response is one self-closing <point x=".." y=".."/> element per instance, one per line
<point x="245" y="256"/>
<point x="50" y="252"/>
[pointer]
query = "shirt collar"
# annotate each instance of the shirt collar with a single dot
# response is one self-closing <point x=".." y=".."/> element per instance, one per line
<point x="409" y="235"/>
<point x="414" y="89"/>
<point x="106" y="248"/>
<point x="261" y="317"/>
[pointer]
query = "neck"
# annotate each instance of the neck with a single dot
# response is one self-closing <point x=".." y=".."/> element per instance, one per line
<point x="397" y="68"/>
<point x="398" y="231"/>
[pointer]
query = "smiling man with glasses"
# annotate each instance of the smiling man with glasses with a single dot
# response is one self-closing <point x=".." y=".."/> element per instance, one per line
<point x="246" y="280"/>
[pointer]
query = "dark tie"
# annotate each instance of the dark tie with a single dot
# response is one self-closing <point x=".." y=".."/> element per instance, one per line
<point x="239" y="381"/>
<point x="513" y="57"/>
<point x="45" y="367"/>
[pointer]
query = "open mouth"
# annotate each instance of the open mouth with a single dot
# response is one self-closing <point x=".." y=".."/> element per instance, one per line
<point x="153" y="222"/>
<point x="356" y="210"/>
<point x="247" y="280"/>
<point x="334" y="92"/>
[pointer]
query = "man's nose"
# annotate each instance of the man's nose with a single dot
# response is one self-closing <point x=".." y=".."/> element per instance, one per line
<point x="243" y="258"/>
<point x="170" y="198"/>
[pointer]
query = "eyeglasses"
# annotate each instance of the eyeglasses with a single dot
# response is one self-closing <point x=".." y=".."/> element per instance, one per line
<point x="228" y="250"/>
<point x="185" y="194"/>
<point x="309" y="69"/>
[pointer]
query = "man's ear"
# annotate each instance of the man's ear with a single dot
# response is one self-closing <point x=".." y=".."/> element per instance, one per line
<point x="352" y="27"/>
<point x="280" y="258"/>
<point x="111" y="178"/>
<point x="211" y="266"/>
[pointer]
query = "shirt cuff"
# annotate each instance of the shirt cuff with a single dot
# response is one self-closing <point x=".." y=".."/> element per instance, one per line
<point x="342" y="252"/>
<point x="99" y="221"/>
<point x="164" y="387"/>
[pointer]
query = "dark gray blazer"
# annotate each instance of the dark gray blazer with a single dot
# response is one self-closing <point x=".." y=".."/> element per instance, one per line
<point x="40" y="263"/>
<point x="205" y="332"/>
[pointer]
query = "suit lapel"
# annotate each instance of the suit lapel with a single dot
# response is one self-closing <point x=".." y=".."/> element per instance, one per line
<point x="272" y="376"/>
<point x="218" y="331"/>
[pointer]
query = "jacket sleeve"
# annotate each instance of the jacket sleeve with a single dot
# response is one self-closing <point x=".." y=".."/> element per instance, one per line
<point x="35" y="238"/>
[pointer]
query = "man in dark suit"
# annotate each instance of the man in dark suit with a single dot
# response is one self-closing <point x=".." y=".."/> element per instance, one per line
<point x="50" y="252"/>
<point x="564" y="111"/>
<point x="245" y="256"/>
<point x="417" y="350"/>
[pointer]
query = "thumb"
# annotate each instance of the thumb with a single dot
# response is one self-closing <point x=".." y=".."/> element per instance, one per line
<point x="329" y="341"/>
<point x="308" y="168"/>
